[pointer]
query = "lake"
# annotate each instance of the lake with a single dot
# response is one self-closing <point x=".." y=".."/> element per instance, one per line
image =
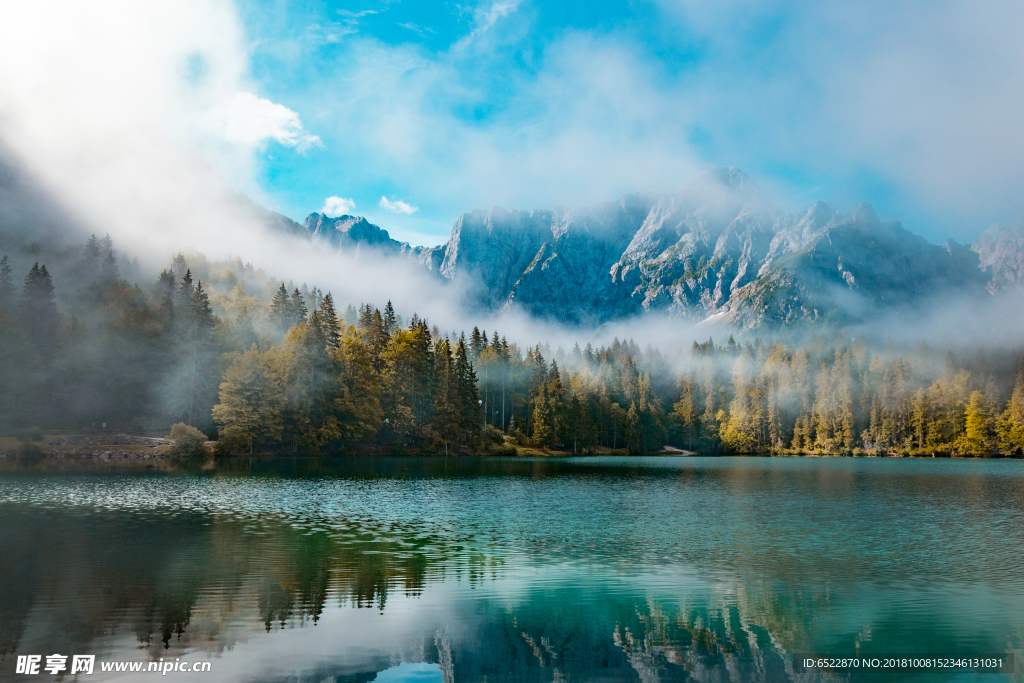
<point x="464" y="569"/>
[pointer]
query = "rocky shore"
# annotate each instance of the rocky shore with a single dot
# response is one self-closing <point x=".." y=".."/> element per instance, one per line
<point x="86" y="450"/>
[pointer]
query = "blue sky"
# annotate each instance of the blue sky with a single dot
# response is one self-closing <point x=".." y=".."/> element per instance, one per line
<point x="446" y="107"/>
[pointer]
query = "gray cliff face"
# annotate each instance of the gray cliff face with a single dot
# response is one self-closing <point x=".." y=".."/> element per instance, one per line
<point x="697" y="247"/>
<point x="554" y="264"/>
<point x="715" y="250"/>
<point x="354" y="233"/>
<point x="349" y="232"/>
<point x="851" y="266"/>
<point x="1002" y="250"/>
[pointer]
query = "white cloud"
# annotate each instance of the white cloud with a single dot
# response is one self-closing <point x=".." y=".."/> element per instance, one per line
<point x="922" y="95"/>
<point x="338" y="206"/>
<point x="486" y="17"/>
<point x="591" y="123"/>
<point x="499" y="10"/>
<point x="397" y="206"/>
<point x="252" y="121"/>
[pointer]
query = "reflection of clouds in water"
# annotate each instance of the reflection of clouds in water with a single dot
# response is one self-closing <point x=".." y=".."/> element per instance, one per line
<point x="411" y="673"/>
<point x="515" y="570"/>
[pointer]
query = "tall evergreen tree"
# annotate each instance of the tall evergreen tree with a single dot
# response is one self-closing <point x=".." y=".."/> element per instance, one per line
<point x="1010" y="428"/>
<point x="167" y="287"/>
<point x="193" y="391"/>
<point x="977" y="436"/>
<point x="179" y="264"/>
<point x="446" y="425"/>
<point x="366" y="317"/>
<point x="91" y="258"/>
<point x="351" y="315"/>
<point x="110" y="270"/>
<point x="390" y="321"/>
<point x="6" y="286"/>
<point x="543" y="434"/>
<point x="469" y="395"/>
<point x="328" y="320"/>
<point x="475" y="345"/>
<point x="39" y="311"/>
<point x="280" y="310"/>
<point x="376" y="340"/>
<point x="185" y="291"/>
<point x="297" y="308"/>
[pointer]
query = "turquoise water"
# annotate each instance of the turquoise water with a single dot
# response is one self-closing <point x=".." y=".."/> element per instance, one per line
<point x="631" y="569"/>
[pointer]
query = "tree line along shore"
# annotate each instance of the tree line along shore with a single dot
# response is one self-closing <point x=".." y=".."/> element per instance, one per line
<point x="262" y="367"/>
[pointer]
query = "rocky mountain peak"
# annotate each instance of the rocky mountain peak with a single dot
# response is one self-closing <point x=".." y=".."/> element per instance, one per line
<point x="348" y="232"/>
<point x="1001" y="251"/>
<point x="864" y="214"/>
<point x="716" y="249"/>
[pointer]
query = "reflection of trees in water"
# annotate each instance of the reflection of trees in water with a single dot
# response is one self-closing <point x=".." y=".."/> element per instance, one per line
<point x="166" y="576"/>
<point x="590" y="635"/>
<point x="195" y="580"/>
<point x="17" y="575"/>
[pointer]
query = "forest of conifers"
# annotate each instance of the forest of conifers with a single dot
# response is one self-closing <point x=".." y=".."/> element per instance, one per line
<point x="265" y="367"/>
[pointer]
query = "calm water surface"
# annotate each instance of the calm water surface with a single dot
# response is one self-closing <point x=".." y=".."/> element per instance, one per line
<point x="588" y="569"/>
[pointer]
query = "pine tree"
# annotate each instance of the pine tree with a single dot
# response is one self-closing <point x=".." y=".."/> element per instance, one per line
<point x="542" y="432"/>
<point x="1010" y="429"/>
<point x="632" y="434"/>
<point x="179" y="264"/>
<point x="976" y="439"/>
<point x="798" y="437"/>
<point x="469" y="396"/>
<point x="310" y="388"/>
<point x="167" y="285"/>
<point x="357" y="405"/>
<point x="684" y="413"/>
<point x="110" y="270"/>
<point x="447" y="419"/>
<point x="774" y="424"/>
<point x="39" y="311"/>
<point x="579" y="424"/>
<point x="185" y="291"/>
<point x="328" y="320"/>
<point x="200" y="310"/>
<point x="406" y="382"/>
<point x="244" y="330"/>
<point x="474" y="343"/>
<point x="6" y="286"/>
<point x="280" y="310"/>
<point x="195" y="389"/>
<point x="557" y="408"/>
<point x="297" y="308"/>
<point x="376" y="340"/>
<point x="390" y="321"/>
<point x="366" y="317"/>
<point x="848" y="432"/>
<point x="91" y="257"/>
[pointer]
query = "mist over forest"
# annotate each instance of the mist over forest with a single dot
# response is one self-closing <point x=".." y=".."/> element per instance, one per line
<point x="92" y="340"/>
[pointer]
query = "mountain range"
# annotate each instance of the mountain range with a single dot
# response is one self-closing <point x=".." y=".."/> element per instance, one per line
<point x="716" y="250"/>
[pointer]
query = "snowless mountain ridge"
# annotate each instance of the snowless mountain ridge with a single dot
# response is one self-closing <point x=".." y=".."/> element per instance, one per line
<point x="717" y="249"/>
